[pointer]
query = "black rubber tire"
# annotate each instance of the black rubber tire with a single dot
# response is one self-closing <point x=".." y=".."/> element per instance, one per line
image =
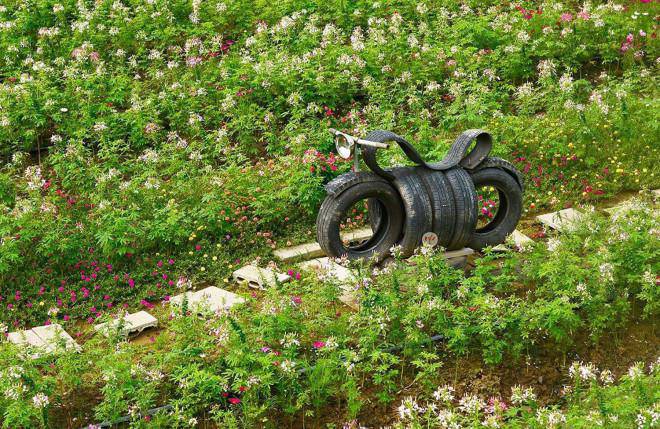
<point x="442" y="202"/>
<point x="465" y="199"/>
<point x="417" y="205"/>
<point x="508" y="213"/>
<point x="333" y="210"/>
<point x="503" y="164"/>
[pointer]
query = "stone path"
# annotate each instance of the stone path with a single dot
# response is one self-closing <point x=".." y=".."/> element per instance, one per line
<point x="136" y="322"/>
<point x="44" y="340"/>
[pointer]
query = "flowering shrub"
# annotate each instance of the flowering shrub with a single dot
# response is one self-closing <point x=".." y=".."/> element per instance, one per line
<point x="131" y="131"/>
<point x="590" y="400"/>
<point x="294" y="347"/>
<point x="152" y="146"/>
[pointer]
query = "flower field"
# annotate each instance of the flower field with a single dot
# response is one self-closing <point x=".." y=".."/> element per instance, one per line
<point x="152" y="147"/>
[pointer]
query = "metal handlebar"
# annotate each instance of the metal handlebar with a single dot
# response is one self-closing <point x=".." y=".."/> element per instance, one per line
<point x="353" y="139"/>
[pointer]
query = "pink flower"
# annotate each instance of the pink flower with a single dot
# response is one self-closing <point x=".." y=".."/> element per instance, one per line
<point x="584" y="15"/>
<point x="170" y="261"/>
<point x="67" y="317"/>
<point x="234" y="401"/>
<point x="296" y="300"/>
<point x="318" y="344"/>
<point x="566" y="17"/>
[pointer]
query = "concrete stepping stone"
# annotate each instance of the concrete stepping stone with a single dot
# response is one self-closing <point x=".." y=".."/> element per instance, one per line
<point x="330" y="267"/>
<point x="562" y="220"/>
<point x="313" y="250"/>
<point x="136" y="322"/>
<point x="458" y="258"/>
<point x="56" y="337"/>
<point x="357" y="235"/>
<point x="621" y="207"/>
<point x="519" y="239"/>
<point x="346" y="277"/>
<point x="211" y="299"/>
<point x="259" y="278"/>
<point x="302" y="251"/>
<point x="43" y="340"/>
<point x="30" y="341"/>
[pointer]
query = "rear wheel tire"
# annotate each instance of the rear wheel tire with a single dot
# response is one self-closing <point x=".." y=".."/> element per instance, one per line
<point x="465" y="199"/>
<point x="509" y="210"/>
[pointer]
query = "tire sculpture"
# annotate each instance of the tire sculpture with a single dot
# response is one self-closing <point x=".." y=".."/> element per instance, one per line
<point x="433" y="203"/>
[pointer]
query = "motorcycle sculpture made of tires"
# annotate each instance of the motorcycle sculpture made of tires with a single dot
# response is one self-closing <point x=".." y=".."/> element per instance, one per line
<point x="429" y="203"/>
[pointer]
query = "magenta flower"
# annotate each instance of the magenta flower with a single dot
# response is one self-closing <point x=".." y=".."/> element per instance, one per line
<point x="296" y="300"/>
<point x="318" y="344"/>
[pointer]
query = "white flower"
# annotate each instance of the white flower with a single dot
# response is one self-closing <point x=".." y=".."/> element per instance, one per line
<point x="444" y="393"/>
<point x="409" y="409"/>
<point x="636" y="371"/>
<point x="40" y="400"/>
<point x="606" y="377"/>
<point x="566" y="82"/>
<point x="552" y="418"/>
<point x="357" y="39"/>
<point x="470" y="404"/>
<point x="606" y="271"/>
<point x="546" y="68"/>
<point x="520" y="395"/>
<point x="523" y="36"/>
<point x="524" y="90"/>
<point x="585" y="372"/>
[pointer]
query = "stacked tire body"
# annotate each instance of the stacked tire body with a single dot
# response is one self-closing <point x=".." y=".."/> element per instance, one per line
<point x="407" y="203"/>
